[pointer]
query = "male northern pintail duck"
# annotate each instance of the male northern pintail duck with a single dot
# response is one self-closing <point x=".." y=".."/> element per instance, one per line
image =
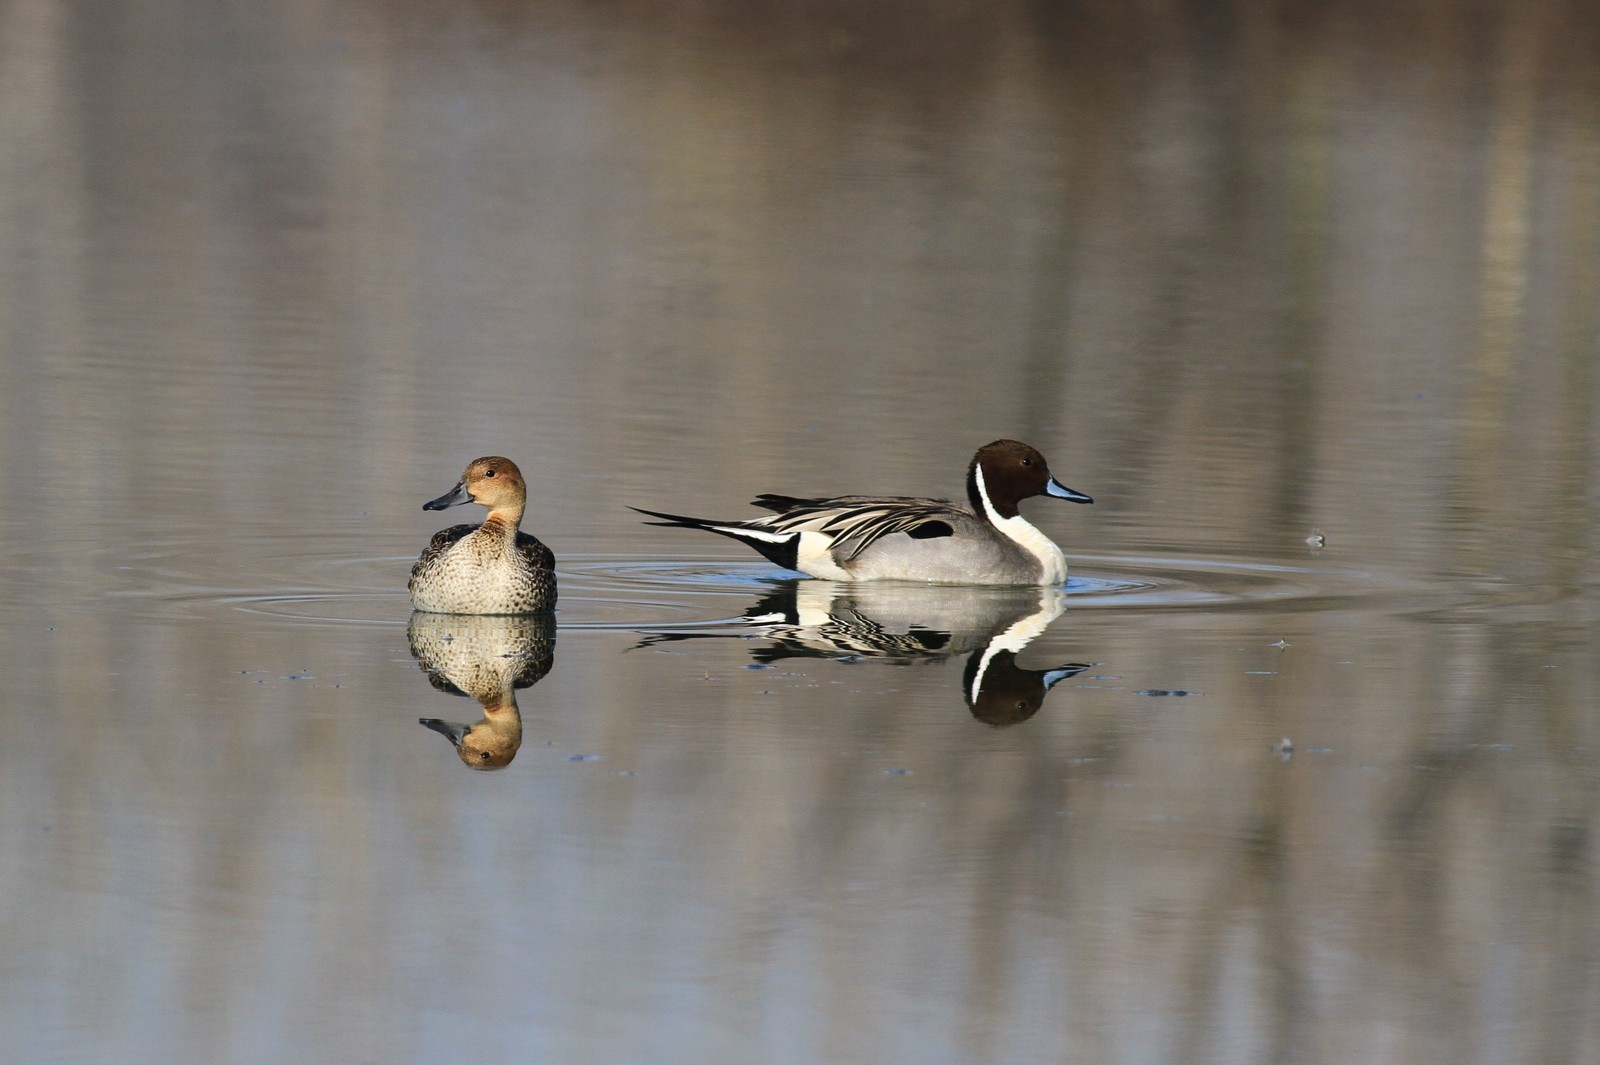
<point x="491" y="568"/>
<point x="913" y="539"/>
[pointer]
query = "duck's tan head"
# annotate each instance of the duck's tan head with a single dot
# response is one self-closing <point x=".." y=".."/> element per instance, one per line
<point x="493" y="482"/>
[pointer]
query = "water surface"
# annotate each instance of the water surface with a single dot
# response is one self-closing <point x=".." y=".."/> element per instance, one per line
<point x="1300" y="766"/>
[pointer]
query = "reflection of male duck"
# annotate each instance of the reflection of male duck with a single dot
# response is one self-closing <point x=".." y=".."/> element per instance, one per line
<point x="1001" y="693"/>
<point x="487" y="658"/>
<point x="906" y="623"/>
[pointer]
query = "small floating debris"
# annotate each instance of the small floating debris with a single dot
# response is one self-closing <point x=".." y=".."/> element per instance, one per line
<point x="897" y="772"/>
<point x="1163" y="692"/>
<point x="586" y="757"/>
<point x="1284" y="748"/>
<point x="1281" y="644"/>
<point x="1316" y="541"/>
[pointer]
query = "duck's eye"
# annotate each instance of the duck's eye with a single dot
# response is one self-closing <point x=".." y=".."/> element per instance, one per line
<point x="488" y="473"/>
<point x="1027" y="462"/>
<point x="483" y="755"/>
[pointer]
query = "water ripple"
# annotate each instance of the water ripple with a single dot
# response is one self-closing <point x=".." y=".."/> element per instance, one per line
<point x="617" y="591"/>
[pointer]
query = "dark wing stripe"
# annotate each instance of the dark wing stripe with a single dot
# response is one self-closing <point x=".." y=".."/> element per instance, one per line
<point x="857" y="527"/>
<point x="782" y="504"/>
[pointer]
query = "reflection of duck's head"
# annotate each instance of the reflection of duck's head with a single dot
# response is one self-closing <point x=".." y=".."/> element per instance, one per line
<point x="1001" y="693"/>
<point x="487" y="658"/>
<point x="490" y="743"/>
<point x="997" y="690"/>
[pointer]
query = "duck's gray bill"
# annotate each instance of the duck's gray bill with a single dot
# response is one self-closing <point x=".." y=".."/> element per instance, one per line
<point x="450" y="730"/>
<point x="454" y="497"/>
<point x="1061" y="491"/>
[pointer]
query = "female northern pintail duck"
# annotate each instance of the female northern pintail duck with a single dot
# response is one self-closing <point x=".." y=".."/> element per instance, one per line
<point x="485" y="569"/>
<point x="913" y="539"/>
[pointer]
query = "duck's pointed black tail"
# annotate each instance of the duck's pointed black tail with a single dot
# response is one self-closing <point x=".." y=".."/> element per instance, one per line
<point x="779" y="548"/>
<point x="674" y="521"/>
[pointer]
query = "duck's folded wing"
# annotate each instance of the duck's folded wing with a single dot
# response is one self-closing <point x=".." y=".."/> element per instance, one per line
<point x="784" y="504"/>
<point x="441" y="542"/>
<point x="534" y="550"/>
<point x="855" y="523"/>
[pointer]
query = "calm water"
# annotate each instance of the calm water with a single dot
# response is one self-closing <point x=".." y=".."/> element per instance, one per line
<point x="271" y="273"/>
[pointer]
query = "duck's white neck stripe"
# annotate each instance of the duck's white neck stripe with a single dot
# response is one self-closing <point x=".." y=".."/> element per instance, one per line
<point x="1022" y="632"/>
<point x="983" y="495"/>
<point x="1025" y="535"/>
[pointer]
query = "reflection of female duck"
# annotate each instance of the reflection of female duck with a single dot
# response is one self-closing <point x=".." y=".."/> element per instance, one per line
<point x="905" y="623"/>
<point x="486" y="658"/>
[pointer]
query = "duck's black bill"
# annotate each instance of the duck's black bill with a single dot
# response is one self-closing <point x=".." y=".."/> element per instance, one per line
<point x="454" y="497"/>
<point x="1061" y="491"/>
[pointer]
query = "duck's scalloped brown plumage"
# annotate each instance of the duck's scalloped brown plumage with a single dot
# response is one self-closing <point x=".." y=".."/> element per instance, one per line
<point x="452" y="577"/>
